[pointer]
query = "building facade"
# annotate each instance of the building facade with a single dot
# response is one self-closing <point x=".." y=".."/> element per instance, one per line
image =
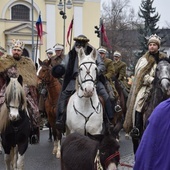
<point x="18" y="21"/>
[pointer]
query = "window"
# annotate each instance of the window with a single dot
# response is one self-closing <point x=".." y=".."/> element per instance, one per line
<point x="20" y="12"/>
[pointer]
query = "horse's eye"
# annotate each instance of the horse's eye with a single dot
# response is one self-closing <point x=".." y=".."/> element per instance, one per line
<point x="80" y="69"/>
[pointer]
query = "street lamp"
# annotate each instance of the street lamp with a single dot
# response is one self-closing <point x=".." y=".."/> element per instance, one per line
<point x="62" y="7"/>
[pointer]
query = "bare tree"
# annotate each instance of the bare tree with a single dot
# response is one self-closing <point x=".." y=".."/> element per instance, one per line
<point x="119" y="17"/>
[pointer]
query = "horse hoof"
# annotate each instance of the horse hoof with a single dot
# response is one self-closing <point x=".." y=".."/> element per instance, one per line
<point x="127" y="136"/>
<point x="58" y="155"/>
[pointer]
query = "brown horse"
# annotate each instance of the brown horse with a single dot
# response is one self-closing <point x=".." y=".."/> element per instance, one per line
<point x="53" y="89"/>
<point x="119" y="116"/>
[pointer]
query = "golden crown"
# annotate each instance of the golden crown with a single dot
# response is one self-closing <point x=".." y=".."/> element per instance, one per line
<point x="17" y="44"/>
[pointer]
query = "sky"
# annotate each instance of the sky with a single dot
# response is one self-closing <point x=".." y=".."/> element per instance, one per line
<point x="162" y="7"/>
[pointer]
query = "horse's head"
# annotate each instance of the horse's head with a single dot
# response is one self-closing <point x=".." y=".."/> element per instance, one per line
<point x="109" y="152"/>
<point x="44" y="71"/>
<point x="163" y="75"/>
<point x="108" y="149"/>
<point x="87" y="77"/>
<point x="15" y="98"/>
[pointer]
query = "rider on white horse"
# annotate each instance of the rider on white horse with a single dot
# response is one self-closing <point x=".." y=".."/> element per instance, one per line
<point x="70" y="63"/>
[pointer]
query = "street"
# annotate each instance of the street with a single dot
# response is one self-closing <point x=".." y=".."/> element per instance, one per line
<point x="40" y="156"/>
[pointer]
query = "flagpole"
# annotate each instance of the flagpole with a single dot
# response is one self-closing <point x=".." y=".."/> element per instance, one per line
<point x="36" y="50"/>
<point x="32" y="8"/>
<point x="101" y="33"/>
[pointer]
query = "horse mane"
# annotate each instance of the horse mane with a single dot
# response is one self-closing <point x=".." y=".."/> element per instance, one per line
<point x="14" y="94"/>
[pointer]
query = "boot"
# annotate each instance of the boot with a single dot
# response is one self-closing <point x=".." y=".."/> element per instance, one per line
<point x="61" y="112"/>
<point x="118" y="108"/>
<point x="109" y="111"/>
<point x="136" y="131"/>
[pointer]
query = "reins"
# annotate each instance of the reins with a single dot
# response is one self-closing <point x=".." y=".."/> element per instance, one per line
<point x="116" y="154"/>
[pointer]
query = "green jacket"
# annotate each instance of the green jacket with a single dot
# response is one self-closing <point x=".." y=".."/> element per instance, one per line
<point x="110" y="70"/>
<point x="120" y="70"/>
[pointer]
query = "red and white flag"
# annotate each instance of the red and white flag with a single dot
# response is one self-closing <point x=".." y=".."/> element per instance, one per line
<point x="39" y="28"/>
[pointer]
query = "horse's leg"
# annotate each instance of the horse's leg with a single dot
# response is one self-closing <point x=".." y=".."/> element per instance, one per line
<point x="54" y="132"/>
<point x="59" y="137"/>
<point x="0" y="146"/>
<point x="50" y="134"/>
<point x="117" y="129"/>
<point x="20" y="162"/>
<point x="135" y="144"/>
<point x="7" y="159"/>
<point x="15" y="157"/>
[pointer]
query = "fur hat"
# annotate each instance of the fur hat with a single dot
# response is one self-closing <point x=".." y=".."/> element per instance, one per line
<point x="58" y="71"/>
<point x="102" y="50"/>
<point x="49" y="51"/>
<point x="2" y="50"/>
<point x="58" y="47"/>
<point x="154" y="39"/>
<point x="116" y="54"/>
<point x="17" y="44"/>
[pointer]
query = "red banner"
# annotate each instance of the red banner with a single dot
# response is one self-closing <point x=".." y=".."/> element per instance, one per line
<point x="69" y="30"/>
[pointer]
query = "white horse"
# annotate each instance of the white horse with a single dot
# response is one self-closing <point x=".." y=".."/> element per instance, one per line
<point x="84" y="109"/>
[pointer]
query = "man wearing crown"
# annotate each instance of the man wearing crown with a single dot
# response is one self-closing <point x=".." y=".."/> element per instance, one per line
<point x="15" y="65"/>
<point x="141" y="86"/>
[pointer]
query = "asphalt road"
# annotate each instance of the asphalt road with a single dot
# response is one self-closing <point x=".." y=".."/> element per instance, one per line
<point x="39" y="156"/>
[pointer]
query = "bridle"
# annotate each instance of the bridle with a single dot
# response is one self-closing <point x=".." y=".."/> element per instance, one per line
<point x="45" y="80"/>
<point x="84" y="80"/>
<point x="111" y="157"/>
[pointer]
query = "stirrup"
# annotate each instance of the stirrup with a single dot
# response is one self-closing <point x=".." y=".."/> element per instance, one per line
<point x="135" y="133"/>
<point x="34" y="139"/>
<point x="118" y="108"/>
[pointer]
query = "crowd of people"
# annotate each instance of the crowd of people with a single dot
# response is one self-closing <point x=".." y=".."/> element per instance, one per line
<point x="65" y="67"/>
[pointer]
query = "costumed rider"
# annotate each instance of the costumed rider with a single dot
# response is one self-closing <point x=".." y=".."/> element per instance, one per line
<point x="108" y="74"/>
<point x="49" y="53"/>
<point x="120" y="72"/>
<point x="15" y="65"/>
<point x="54" y="60"/>
<point x="70" y="64"/>
<point x="141" y="87"/>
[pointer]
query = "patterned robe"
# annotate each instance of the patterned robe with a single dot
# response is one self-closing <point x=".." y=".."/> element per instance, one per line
<point x="26" y="68"/>
<point x="141" y="86"/>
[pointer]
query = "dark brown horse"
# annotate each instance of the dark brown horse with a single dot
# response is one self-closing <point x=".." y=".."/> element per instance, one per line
<point x="160" y="92"/>
<point x="90" y="153"/>
<point x="119" y="116"/>
<point x="53" y="91"/>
